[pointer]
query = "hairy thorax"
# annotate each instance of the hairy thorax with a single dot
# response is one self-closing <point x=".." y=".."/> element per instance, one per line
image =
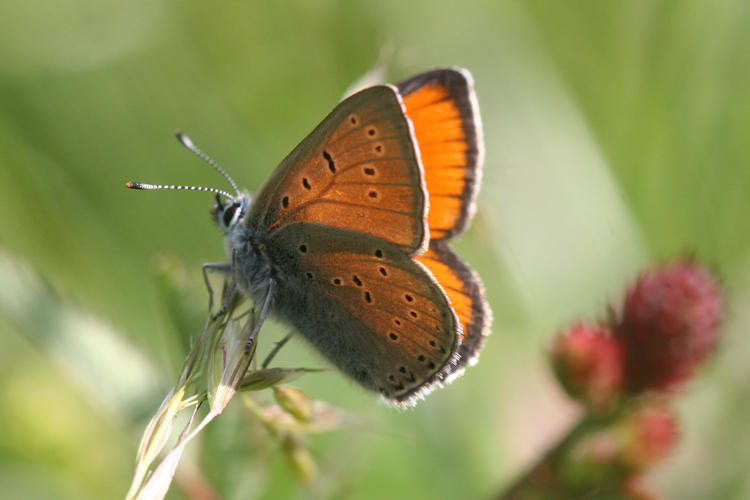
<point x="251" y="266"/>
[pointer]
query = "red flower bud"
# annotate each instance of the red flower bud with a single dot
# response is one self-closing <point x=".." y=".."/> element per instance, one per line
<point x="648" y="435"/>
<point x="669" y="325"/>
<point x="589" y="364"/>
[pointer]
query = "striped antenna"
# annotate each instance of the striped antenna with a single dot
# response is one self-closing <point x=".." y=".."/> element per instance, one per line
<point x="141" y="185"/>
<point x="185" y="140"/>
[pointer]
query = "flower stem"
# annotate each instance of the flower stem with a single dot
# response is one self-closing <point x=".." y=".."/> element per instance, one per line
<point x="543" y="480"/>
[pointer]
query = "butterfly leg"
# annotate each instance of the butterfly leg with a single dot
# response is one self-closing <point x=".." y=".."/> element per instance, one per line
<point x="223" y="268"/>
<point x="262" y="315"/>
<point x="276" y="349"/>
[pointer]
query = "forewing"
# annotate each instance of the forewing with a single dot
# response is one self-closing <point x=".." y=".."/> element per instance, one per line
<point x="358" y="170"/>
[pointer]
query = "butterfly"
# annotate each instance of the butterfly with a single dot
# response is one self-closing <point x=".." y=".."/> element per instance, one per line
<point x="348" y="239"/>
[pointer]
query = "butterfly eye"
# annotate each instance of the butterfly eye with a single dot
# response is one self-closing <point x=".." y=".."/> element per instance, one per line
<point x="228" y="213"/>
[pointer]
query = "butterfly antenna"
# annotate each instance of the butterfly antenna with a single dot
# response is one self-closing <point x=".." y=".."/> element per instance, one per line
<point x="147" y="187"/>
<point x="185" y="140"/>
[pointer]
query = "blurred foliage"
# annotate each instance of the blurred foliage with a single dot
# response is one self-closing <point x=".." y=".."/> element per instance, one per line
<point x="616" y="134"/>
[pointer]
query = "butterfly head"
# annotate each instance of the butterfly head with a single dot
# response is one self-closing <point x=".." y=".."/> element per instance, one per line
<point x="229" y="213"/>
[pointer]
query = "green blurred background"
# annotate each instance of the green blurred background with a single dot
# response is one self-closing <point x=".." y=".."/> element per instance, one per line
<point x="617" y="134"/>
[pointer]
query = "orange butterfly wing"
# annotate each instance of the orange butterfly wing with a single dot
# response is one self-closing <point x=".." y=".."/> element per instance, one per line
<point x="466" y="295"/>
<point x="442" y="107"/>
<point x="357" y="170"/>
